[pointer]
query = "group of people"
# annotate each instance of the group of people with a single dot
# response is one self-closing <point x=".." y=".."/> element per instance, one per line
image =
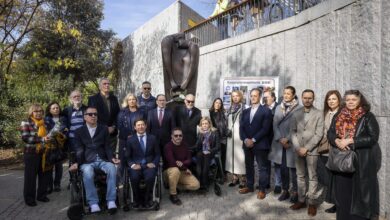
<point x="293" y="139"/>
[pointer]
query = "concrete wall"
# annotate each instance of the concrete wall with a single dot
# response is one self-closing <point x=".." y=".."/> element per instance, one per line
<point x="142" y="49"/>
<point x="339" y="44"/>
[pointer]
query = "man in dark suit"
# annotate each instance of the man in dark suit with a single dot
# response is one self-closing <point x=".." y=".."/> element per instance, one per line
<point x="142" y="156"/>
<point x="255" y="125"/>
<point x="93" y="151"/>
<point x="161" y="122"/>
<point x="107" y="106"/>
<point x="187" y="118"/>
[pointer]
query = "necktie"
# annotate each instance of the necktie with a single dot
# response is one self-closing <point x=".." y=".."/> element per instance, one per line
<point x="189" y="112"/>
<point x="141" y="141"/>
<point x="160" y="117"/>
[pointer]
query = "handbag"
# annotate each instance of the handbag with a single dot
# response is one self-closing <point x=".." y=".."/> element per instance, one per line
<point x="56" y="155"/>
<point x="341" y="161"/>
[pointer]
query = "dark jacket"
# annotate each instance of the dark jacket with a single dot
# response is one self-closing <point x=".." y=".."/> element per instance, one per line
<point x="188" y="124"/>
<point x="88" y="147"/>
<point x="258" y="129"/>
<point x="365" y="192"/>
<point x="126" y="120"/>
<point x="145" y="105"/>
<point x="105" y="117"/>
<point x="134" y="153"/>
<point x="214" y="142"/>
<point x="163" y="132"/>
<point x="219" y="121"/>
<point x="67" y="113"/>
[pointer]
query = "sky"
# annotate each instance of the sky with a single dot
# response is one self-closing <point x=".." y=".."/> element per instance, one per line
<point x="125" y="16"/>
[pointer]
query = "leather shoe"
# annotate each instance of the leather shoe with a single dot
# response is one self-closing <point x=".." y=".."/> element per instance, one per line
<point x="175" y="200"/>
<point x="277" y="190"/>
<point x="298" y="205"/>
<point x="57" y="188"/>
<point x="285" y="195"/>
<point x="261" y="195"/>
<point x="44" y="199"/>
<point x="33" y="203"/>
<point x="331" y="209"/>
<point x="312" y="210"/>
<point x="245" y="190"/>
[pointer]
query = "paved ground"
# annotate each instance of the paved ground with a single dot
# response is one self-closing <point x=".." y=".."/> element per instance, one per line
<point x="230" y="206"/>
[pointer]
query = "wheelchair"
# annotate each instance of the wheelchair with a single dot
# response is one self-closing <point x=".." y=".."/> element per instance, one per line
<point x="128" y="196"/>
<point x="216" y="173"/>
<point x="78" y="202"/>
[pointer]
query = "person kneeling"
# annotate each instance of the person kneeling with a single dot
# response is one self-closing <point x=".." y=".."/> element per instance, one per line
<point x="206" y="147"/>
<point x="93" y="151"/>
<point x="178" y="158"/>
<point x="142" y="156"/>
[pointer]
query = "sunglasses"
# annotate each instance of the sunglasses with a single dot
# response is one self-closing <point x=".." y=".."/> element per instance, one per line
<point x="190" y="101"/>
<point x="91" y="114"/>
<point x="147" y="88"/>
<point x="177" y="135"/>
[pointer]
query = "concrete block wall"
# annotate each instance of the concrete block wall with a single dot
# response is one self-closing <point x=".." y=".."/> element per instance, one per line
<point x="339" y="44"/>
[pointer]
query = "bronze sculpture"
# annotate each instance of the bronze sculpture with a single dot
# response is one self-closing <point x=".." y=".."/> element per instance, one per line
<point x="180" y="64"/>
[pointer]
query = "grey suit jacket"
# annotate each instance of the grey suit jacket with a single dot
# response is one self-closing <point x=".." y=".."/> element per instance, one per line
<point x="307" y="134"/>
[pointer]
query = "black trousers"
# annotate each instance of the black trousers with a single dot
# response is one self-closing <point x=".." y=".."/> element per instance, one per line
<point x="58" y="169"/>
<point x="223" y="156"/>
<point x="263" y="166"/>
<point x="32" y="170"/>
<point x="343" y="194"/>
<point x="203" y="167"/>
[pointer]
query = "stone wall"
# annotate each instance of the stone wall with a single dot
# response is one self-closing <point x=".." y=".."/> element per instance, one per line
<point x="339" y="44"/>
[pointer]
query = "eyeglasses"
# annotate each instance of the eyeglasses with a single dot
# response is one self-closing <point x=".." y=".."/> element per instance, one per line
<point x="91" y="114"/>
<point x="189" y="101"/>
<point x="147" y="88"/>
<point x="105" y="83"/>
<point x="76" y="96"/>
<point x="38" y="111"/>
<point x="177" y="135"/>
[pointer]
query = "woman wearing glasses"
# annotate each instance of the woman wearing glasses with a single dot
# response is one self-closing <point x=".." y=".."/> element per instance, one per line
<point x="355" y="128"/>
<point x="34" y="135"/>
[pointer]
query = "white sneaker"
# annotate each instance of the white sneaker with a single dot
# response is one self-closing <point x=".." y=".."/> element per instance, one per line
<point x="95" y="208"/>
<point x="111" y="205"/>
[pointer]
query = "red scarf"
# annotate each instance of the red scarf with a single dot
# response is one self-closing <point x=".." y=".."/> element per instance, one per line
<point x="346" y="122"/>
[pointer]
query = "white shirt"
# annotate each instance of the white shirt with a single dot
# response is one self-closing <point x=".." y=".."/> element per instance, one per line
<point x="91" y="130"/>
<point x="253" y="112"/>
<point x="143" y="138"/>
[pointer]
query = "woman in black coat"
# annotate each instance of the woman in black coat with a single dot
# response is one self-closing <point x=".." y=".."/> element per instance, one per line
<point x="206" y="146"/>
<point x="356" y="128"/>
<point x="219" y="121"/>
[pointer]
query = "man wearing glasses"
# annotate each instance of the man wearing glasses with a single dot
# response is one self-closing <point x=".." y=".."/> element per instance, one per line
<point x="146" y="101"/>
<point x="107" y="107"/>
<point x="187" y="117"/>
<point x="92" y="144"/>
<point x="177" y="174"/>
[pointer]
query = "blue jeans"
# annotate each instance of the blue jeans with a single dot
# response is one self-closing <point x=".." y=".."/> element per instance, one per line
<point x="278" y="175"/>
<point x="88" y="178"/>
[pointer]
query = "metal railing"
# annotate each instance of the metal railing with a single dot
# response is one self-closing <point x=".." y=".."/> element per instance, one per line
<point x="243" y="17"/>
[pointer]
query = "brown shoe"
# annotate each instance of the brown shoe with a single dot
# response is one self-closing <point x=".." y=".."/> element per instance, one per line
<point x="298" y="205"/>
<point x="312" y="210"/>
<point x="261" y="195"/>
<point x="245" y="190"/>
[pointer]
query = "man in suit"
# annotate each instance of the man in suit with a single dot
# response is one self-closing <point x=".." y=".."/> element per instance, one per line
<point x="161" y="121"/>
<point x="187" y="118"/>
<point x="93" y="151"/>
<point x="145" y="100"/>
<point x="307" y="128"/>
<point x="255" y="125"/>
<point x="269" y="100"/>
<point x="142" y="156"/>
<point x="107" y="106"/>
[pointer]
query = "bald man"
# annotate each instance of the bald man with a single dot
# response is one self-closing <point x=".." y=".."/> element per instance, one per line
<point x="187" y="117"/>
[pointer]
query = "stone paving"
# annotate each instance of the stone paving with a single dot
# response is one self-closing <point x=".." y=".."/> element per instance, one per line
<point x="230" y="206"/>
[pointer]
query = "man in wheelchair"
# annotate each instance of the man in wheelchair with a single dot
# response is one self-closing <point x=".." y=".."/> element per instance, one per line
<point x="93" y="152"/>
<point x="142" y="157"/>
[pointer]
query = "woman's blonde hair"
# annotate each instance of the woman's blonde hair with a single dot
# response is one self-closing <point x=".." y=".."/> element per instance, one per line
<point x="206" y="118"/>
<point x="125" y="104"/>
<point x="34" y="107"/>
<point x="239" y="95"/>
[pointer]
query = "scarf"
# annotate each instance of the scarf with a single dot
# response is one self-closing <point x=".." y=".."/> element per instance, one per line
<point x="346" y="122"/>
<point x="41" y="131"/>
<point x="287" y="107"/>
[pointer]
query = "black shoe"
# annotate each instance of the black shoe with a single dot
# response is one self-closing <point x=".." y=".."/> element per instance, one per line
<point x="57" y="188"/>
<point x="285" y="195"/>
<point x="33" y="203"/>
<point x="175" y="200"/>
<point x="136" y="205"/>
<point x="112" y="211"/>
<point x="331" y="209"/>
<point x="277" y="190"/>
<point x="149" y="204"/>
<point x="203" y="190"/>
<point x="44" y="199"/>
<point x="294" y="197"/>
<point x="49" y="190"/>
<point x="241" y="186"/>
